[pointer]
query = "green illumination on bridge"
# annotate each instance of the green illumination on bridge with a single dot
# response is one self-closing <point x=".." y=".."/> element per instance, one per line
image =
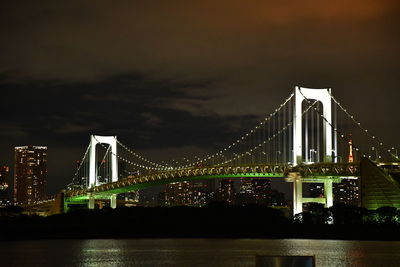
<point x="106" y="193"/>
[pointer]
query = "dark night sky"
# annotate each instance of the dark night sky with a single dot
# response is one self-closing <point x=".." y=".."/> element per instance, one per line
<point x="174" y="77"/>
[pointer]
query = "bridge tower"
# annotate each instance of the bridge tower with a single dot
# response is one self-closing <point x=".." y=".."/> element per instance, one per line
<point x="93" y="181"/>
<point x="324" y="96"/>
<point x="305" y="94"/>
<point x="97" y="139"/>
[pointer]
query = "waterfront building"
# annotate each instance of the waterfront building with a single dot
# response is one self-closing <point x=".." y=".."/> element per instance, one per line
<point x="30" y="174"/>
<point x="179" y="193"/>
<point x="246" y="192"/>
<point x="4" y="186"/>
<point x="226" y="191"/>
<point x="254" y="191"/>
<point x="262" y="190"/>
<point x="347" y="191"/>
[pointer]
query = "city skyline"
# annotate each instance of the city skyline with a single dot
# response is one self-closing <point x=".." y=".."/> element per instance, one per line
<point x="199" y="133"/>
<point x="151" y="79"/>
<point x="30" y="175"/>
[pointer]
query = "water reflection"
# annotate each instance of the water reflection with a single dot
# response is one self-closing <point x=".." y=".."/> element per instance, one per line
<point x="193" y="252"/>
<point x="101" y="253"/>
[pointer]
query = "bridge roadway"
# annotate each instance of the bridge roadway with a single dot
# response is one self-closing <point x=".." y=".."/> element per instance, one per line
<point x="314" y="173"/>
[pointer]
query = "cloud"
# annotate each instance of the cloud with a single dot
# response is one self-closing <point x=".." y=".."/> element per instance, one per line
<point x="151" y="119"/>
<point x="69" y="128"/>
<point x="181" y="74"/>
<point x="12" y="131"/>
<point x="86" y="41"/>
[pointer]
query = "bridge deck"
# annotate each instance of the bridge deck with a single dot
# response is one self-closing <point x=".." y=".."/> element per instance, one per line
<point x="312" y="172"/>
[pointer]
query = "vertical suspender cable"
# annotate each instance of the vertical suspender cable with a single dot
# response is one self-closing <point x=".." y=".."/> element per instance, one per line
<point x="334" y="131"/>
<point x="312" y="136"/>
<point x="278" y="139"/>
<point x="290" y="130"/>
<point x="306" y="136"/>
<point x="264" y="146"/>
<point x="273" y="132"/>
<point x="284" y="136"/>
<point x="318" y="133"/>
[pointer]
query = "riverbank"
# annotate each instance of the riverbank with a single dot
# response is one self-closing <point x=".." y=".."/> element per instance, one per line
<point x="214" y="221"/>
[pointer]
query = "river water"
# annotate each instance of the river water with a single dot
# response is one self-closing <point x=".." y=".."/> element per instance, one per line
<point x="193" y="252"/>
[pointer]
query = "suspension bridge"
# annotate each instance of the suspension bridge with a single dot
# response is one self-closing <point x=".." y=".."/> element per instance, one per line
<point x="304" y="140"/>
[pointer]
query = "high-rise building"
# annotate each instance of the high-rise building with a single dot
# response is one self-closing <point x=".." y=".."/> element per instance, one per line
<point x="246" y="192"/>
<point x="262" y="190"/>
<point x="197" y="193"/>
<point x="226" y="191"/>
<point x="347" y="191"/>
<point x="200" y="193"/>
<point x="4" y="186"/>
<point x="30" y="174"/>
<point x="246" y="186"/>
<point x="255" y="191"/>
<point x="179" y="193"/>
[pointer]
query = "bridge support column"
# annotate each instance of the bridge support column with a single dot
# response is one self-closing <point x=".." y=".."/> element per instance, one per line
<point x="113" y="201"/>
<point x="91" y="201"/>
<point x="328" y="193"/>
<point x="297" y="192"/>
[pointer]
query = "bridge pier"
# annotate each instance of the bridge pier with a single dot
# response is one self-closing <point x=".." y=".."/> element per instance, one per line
<point x="91" y="201"/>
<point x="297" y="192"/>
<point x="328" y="193"/>
<point x="298" y="198"/>
<point x="113" y="201"/>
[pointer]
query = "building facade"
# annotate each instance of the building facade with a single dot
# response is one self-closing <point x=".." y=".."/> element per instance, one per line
<point x="30" y="174"/>
<point x="262" y="190"/>
<point x="254" y="191"/>
<point x="348" y="192"/>
<point x="4" y="186"/>
<point x="246" y="192"/>
<point x="178" y="194"/>
<point x="226" y="191"/>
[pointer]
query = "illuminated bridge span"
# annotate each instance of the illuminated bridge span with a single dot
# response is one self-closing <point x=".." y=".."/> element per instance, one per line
<point x="311" y="173"/>
<point x="304" y="140"/>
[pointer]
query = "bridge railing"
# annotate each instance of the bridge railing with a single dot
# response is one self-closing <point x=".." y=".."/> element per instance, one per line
<point x="263" y="170"/>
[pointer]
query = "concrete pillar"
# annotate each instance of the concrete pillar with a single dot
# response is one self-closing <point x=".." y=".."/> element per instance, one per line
<point x="298" y="192"/>
<point x="91" y="201"/>
<point x="328" y="193"/>
<point x="113" y="201"/>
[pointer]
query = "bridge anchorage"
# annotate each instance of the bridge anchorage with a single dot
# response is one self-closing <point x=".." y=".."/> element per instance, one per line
<point x="301" y="141"/>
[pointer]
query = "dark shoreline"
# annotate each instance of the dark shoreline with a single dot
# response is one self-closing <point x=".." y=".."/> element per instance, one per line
<point x="214" y="221"/>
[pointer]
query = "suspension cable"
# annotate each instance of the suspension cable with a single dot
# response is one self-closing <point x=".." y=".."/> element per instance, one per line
<point x="238" y="142"/>
<point x="373" y="137"/>
<point x="139" y="156"/>
<point x="335" y="129"/>
<point x="273" y="137"/>
<point x="81" y="163"/>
